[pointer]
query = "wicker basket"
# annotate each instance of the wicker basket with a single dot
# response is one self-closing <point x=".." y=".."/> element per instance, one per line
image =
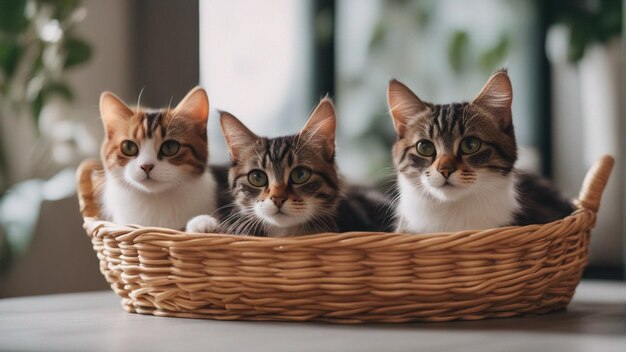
<point x="349" y="277"/>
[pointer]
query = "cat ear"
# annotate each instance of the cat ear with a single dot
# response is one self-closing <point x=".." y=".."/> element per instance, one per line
<point x="113" y="112"/>
<point x="195" y="105"/>
<point x="496" y="97"/>
<point x="238" y="136"/>
<point x="320" y="127"/>
<point x="403" y="104"/>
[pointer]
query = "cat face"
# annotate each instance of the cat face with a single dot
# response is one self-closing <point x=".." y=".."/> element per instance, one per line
<point x="155" y="150"/>
<point x="449" y="151"/>
<point x="285" y="181"/>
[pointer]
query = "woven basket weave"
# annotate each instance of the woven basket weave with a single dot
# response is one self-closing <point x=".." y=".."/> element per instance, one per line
<point x="349" y="277"/>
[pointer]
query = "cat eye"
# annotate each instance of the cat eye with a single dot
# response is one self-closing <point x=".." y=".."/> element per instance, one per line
<point x="257" y="178"/>
<point x="300" y="175"/>
<point x="170" y="148"/>
<point x="425" y="148"/>
<point x="129" y="148"/>
<point x="470" y="145"/>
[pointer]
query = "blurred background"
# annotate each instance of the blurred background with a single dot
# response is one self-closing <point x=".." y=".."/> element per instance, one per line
<point x="269" y="62"/>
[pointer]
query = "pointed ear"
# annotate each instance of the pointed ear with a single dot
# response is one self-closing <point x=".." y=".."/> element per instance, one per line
<point x="404" y="105"/>
<point x="496" y="97"/>
<point x="237" y="135"/>
<point x="113" y="112"/>
<point x="321" y="125"/>
<point x="195" y="105"/>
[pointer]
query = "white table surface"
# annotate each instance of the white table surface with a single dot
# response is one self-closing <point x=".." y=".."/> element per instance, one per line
<point x="595" y="321"/>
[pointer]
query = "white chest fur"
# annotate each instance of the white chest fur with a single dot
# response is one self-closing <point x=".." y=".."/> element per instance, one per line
<point x="171" y="208"/>
<point x="493" y="204"/>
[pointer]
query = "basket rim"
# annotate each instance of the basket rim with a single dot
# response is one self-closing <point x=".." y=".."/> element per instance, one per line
<point x="114" y="227"/>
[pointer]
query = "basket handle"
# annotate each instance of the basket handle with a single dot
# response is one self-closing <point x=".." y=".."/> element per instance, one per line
<point x="594" y="183"/>
<point x="87" y="197"/>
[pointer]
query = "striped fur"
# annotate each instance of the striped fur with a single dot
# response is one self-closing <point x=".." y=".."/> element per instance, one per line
<point x="452" y="190"/>
<point x="306" y="208"/>
<point x="282" y="207"/>
<point x="152" y="188"/>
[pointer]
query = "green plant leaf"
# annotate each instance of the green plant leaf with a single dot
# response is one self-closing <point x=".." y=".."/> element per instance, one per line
<point x="378" y="36"/>
<point x="12" y="16"/>
<point x="588" y="22"/>
<point x="458" y="49"/>
<point x="78" y="52"/>
<point x="4" y="166"/>
<point x="492" y="58"/>
<point x="423" y="13"/>
<point x="10" y="53"/>
<point x="37" y="105"/>
<point x="5" y="252"/>
<point x="580" y="37"/>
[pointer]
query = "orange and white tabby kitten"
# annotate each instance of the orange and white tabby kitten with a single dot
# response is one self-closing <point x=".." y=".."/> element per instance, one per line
<point x="156" y="162"/>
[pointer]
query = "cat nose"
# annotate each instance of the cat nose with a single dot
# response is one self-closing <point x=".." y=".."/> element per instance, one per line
<point x="446" y="172"/>
<point x="279" y="200"/>
<point x="147" y="168"/>
<point x="278" y="194"/>
<point x="446" y="165"/>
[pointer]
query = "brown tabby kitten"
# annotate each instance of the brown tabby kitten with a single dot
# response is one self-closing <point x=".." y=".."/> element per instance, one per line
<point x="455" y="164"/>
<point x="289" y="186"/>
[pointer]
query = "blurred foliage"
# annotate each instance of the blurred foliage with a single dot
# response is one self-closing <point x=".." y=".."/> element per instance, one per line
<point x="491" y="58"/>
<point x="589" y="21"/>
<point x="458" y="49"/>
<point x="378" y="135"/>
<point x="419" y="11"/>
<point x="464" y="54"/>
<point x="37" y="45"/>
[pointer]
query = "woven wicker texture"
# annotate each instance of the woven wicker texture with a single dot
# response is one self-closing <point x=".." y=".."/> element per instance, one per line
<point x="349" y="277"/>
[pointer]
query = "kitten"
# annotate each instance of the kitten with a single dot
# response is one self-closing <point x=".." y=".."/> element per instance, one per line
<point x="289" y="186"/>
<point x="155" y="162"/>
<point x="455" y="164"/>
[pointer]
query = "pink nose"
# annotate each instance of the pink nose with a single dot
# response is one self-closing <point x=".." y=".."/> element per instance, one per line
<point x="279" y="200"/>
<point x="147" y="168"/>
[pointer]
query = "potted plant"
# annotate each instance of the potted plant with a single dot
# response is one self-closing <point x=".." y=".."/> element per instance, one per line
<point x="38" y="45"/>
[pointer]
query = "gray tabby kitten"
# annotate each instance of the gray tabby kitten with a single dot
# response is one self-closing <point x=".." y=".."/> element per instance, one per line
<point x="290" y="186"/>
<point x="455" y="164"/>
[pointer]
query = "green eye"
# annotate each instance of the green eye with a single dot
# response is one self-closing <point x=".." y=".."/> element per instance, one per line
<point x="257" y="178"/>
<point x="129" y="148"/>
<point x="300" y="175"/>
<point x="170" y="148"/>
<point x="470" y="145"/>
<point x="425" y="148"/>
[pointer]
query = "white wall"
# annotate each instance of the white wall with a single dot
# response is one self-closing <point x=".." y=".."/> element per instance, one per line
<point x="255" y="59"/>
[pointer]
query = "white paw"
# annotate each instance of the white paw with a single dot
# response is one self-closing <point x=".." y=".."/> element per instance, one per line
<point x="203" y="224"/>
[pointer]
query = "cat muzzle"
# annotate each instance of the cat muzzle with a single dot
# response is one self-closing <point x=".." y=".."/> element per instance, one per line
<point x="147" y="168"/>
